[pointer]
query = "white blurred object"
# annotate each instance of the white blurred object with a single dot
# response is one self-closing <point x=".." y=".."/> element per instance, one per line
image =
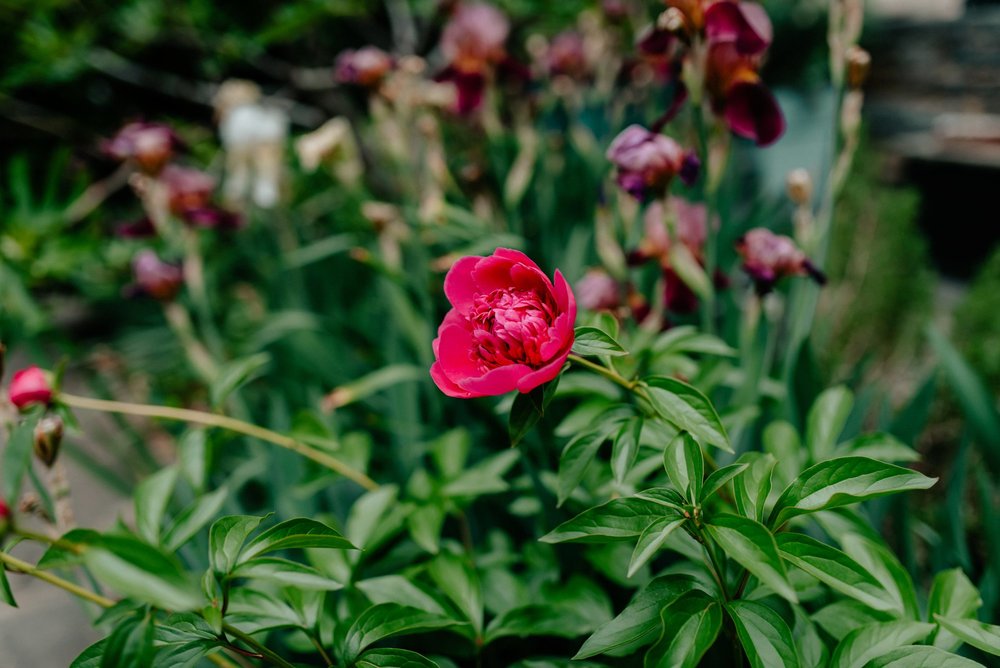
<point x="918" y="9"/>
<point x="253" y="134"/>
<point x="332" y="143"/>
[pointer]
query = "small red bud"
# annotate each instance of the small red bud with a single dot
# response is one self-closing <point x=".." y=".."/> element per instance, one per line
<point x="28" y="387"/>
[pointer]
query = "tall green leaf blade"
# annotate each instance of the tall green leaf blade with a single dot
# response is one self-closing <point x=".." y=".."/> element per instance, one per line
<point x="751" y="545"/>
<point x="842" y="481"/>
<point x="751" y="489"/>
<point x="690" y="626"/>
<point x="765" y="636"/>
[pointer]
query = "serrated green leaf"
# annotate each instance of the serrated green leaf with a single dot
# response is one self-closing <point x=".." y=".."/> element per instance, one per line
<point x="639" y="623"/>
<point x="299" y="532"/>
<point x="842" y="481"/>
<point x="765" y="636"/>
<point x="592" y="342"/>
<point x="618" y="519"/>
<point x="688" y="409"/>
<point x="387" y="620"/>
<point x="833" y="568"/>
<point x="690" y="626"/>
<point x="750" y="544"/>
<point x="651" y="541"/>
<point x="870" y="642"/>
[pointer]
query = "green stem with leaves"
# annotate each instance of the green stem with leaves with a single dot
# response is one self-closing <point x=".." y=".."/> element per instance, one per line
<point x="223" y="422"/>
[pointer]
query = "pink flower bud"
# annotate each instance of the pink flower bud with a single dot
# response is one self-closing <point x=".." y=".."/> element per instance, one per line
<point x="158" y="279"/>
<point x="598" y="291"/>
<point x="149" y="145"/>
<point x="187" y="189"/>
<point x="365" y="67"/>
<point x="30" y="386"/>
<point x="510" y="327"/>
<point x="646" y="161"/>
<point x="769" y="257"/>
<point x="475" y="37"/>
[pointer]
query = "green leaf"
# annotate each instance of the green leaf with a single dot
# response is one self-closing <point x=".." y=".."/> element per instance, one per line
<point x="883" y="565"/>
<point x="921" y="656"/>
<point x="750" y="490"/>
<point x="881" y="446"/>
<point x="618" y="519"/>
<point x="68" y="551"/>
<point x="812" y="651"/>
<point x="534" y="620"/>
<point x="639" y="623"/>
<point x="765" y="636"/>
<point x="485" y="477"/>
<point x="781" y="441"/>
<point x="368" y="514"/>
<point x="286" y="573"/>
<point x="397" y="589"/>
<point x="372" y="383"/>
<point x="685" y="465"/>
<point x="833" y="568"/>
<point x="193" y="518"/>
<point x="650" y="542"/>
<point x="130" y="644"/>
<point x="840" y="618"/>
<point x="151" y="498"/>
<point x="688" y="409"/>
<point x="842" y="481"/>
<point x="690" y="627"/>
<point x="226" y="539"/>
<point x="386" y="620"/>
<point x="298" y="532"/>
<point x="978" y="634"/>
<point x="235" y="374"/>
<point x="689" y="269"/>
<point x="394" y="658"/>
<point x="870" y="642"/>
<point x="955" y="597"/>
<point x="183" y="655"/>
<point x="592" y="342"/>
<point x="5" y="592"/>
<point x="17" y="459"/>
<point x="625" y="448"/>
<point x="528" y="408"/>
<point x="826" y="420"/>
<point x="579" y="453"/>
<point x="749" y="543"/>
<point x="142" y="572"/>
<point x="193" y="455"/>
<point x="454" y="577"/>
<point x="425" y="526"/>
<point x="719" y="478"/>
<point x="92" y="656"/>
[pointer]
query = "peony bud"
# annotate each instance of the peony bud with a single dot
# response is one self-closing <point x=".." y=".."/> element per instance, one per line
<point x="799" y="186"/>
<point x="5" y="518"/>
<point x="158" y="279"/>
<point x="48" y="438"/>
<point x="30" y="386"/>
<point x="859" y="63"/>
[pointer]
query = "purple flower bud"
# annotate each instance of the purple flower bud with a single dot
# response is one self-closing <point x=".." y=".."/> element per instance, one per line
<point x="690" y="168"/>
<point x="646" y="161"/>
<point x="156" y="278"/>
<point x="149" y="145"/>
<point x="365" y="67"/>
<point x="567" y="55"/>
<point x="187" y="188"/>
<point x="769" y="257"/>
<point x="598" y="291"/>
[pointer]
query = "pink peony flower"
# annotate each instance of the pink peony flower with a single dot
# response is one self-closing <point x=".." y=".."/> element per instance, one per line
<point x="646" y="161"/>
<point x="510" y="327"/>
<point x="769" y="257"/>
<point x="29" y="386"/>
<point x="149" y="145"/>
<point x="156" y="278"/>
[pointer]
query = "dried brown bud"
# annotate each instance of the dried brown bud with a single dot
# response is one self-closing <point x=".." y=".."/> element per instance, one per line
<point x="859" y="63"/>
<point x="800" y="186"/>
<point x="48" y="438"/>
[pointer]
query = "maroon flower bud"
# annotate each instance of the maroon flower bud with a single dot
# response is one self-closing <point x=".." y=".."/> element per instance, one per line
<point x="598" y="291"/>
<point x="156" y="278"/>
<point x="475" y="37"/>
<point x="567" y="55"/>
<point x="187" y="189"/>
<point x="646" y="161"/>
<point x="48" y="438"/>
<point x="769" y="257"/>
<point x="30" y="386"/>
<point x="149" y="145"/>
<point x="745" y="24"/>
<point x="365" y="67"/>
<point x="5" y="518"/>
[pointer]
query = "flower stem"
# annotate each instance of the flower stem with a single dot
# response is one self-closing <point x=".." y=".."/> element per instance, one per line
<point x="223" y="422"/>
<point x="613" y="376"/>
<point x="257" y="647"/>
<point x="18" y="566"/>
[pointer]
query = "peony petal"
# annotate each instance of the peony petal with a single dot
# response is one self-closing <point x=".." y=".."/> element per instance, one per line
<point x="500" y="380"/>
<point x="753" y="112"/>
<point x="446" y="385"/>
<point x="459" y="285"/>
<point x="532" y="380"/>
<point x="455" y="353"/>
